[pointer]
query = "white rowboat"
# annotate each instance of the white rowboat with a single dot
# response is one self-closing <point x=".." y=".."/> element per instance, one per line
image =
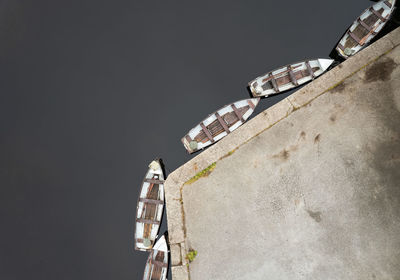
<point x="288" y="77"/>
<point x="157" y="262"/>
<point x="219" y="124"/>
<point x="150" y="207"/>
<point x="365" y="27"/>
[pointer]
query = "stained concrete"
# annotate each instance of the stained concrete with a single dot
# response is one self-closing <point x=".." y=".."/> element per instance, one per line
<point x="315" y="196"/>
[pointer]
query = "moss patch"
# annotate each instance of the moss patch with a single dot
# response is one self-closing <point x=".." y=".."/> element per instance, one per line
<point x="228" y="154"/>
<point x="203" y="173"/>
<point x="191" y="255"/>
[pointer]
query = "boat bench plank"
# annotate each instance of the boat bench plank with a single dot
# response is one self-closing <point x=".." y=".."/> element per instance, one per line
<point x="154" y="181"/>
<point x="207" y="132"/>
<point x="387" y="3"/>
<point x="251" y="104"/>
<point x="292" y="76"/>
<point x="238" y="115"/>
<point x="366" y="26"/>
<point x="377" y="14"/>
<point x="147" y="221"/>
<point x="187" y="137"/>
<point x="274" y="83"/>
<point x="158" y="263"/>
<point x="151" y="201"/>
<point x="222" y="123"/>
<point x="310" y="70"/>
<point x="354" y="37"/>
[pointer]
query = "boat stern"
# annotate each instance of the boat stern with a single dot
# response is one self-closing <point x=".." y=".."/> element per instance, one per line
<point x="341" y="52"/>
<point x="253" y="88"/>
<point x="189" y="146"/>
<point x="144" y="246"/>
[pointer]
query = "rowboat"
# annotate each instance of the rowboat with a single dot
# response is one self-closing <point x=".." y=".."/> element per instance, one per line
<point x="288" y="77"/>
<point x="157" y="262"/>
<point x="365" y="27"/>
<point x="150" y="207"/>
<point x="219" y="124"/>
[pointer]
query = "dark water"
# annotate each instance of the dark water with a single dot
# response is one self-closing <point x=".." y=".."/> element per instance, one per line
<point x="92" y="91"/>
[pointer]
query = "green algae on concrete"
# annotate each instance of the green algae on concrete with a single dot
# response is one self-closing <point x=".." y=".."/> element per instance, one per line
<point x="191" y="255"/>
<point x="203" y="173"/>
<point x="229" y="153"/>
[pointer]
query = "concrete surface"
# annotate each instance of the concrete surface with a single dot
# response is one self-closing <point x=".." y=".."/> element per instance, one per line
<point x="308" y="189"/>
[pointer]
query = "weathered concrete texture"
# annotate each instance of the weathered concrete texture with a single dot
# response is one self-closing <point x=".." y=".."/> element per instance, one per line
<point x="310" y="189"/>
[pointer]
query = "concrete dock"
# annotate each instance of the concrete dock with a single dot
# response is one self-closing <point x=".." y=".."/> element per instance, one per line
<point x="308" y="189"/>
